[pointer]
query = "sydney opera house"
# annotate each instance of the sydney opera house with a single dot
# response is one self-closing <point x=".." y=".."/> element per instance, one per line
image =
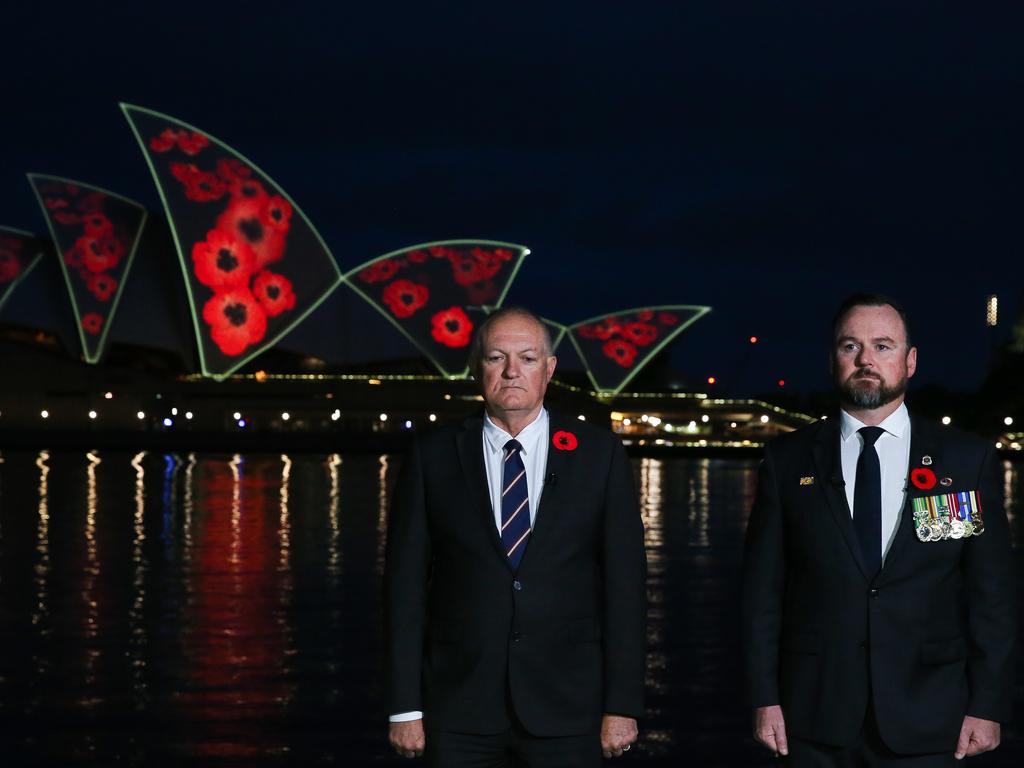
<point x="224" y="318"/>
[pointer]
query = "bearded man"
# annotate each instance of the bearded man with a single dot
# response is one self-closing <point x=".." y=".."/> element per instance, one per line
<point x="877" y="603"/>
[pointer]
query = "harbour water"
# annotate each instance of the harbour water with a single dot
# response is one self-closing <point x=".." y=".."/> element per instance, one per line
<point x="224" y="610"/>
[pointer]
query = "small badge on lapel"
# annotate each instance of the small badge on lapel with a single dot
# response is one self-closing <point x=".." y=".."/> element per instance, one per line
<point x="947" y="481"/>
<point x="926" y="460"/>
<point x="807" y="480"/>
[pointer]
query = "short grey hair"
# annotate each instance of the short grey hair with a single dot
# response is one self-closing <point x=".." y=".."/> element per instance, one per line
<point x="476" y="349"/>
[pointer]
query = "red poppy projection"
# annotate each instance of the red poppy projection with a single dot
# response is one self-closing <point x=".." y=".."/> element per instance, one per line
<point x="96" y="233"/>
<point x="19" y="253"/>
<point x="436" y="293"/>
<point x="614" y="348"/>
<point x="254" y="265"/>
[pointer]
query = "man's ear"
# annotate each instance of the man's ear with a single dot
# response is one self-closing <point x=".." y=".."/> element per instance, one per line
<point x="911" y="361"/>
<point x="552" y="361"/>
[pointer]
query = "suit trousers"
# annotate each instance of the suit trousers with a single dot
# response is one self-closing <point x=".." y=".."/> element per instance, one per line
<point x="869" y="752"/>
<point x="512" y="748"/>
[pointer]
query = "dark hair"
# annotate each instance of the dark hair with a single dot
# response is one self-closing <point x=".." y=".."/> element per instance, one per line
<point x="868" y="300"/>
<point x="476" y="349"/>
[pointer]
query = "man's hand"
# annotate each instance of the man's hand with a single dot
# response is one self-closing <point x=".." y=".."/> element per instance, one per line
<point x="407" y="738"/>
<point x="617" y="734"/>
<point x="976" y="736"/>
<point x="770" y="729"/>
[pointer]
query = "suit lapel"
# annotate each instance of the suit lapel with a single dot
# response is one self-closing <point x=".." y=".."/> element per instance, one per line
<point x="553" y="472"/>
<point x="922" y="443"/>
<point x="469" y="443"/>
<point x="825" y="450"/>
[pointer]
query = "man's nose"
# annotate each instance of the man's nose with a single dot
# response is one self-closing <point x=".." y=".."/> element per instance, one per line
<point x="865" y="358"/>
<point x="511" y="369"/>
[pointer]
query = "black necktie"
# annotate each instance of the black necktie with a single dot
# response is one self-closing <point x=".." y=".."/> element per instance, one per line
<point x="867" y="500"/>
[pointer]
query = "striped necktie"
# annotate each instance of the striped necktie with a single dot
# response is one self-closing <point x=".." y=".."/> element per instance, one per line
<point x="515" y="504"/>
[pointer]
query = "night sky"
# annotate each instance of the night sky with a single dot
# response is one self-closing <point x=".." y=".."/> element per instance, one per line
<point x="761" y="158"/>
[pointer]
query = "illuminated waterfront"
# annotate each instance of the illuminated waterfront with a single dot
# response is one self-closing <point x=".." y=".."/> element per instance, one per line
<point x="203" y="609"/>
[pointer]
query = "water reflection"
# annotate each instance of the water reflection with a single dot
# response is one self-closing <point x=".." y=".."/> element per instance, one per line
<point x="700" y="505"/>
<point x="136" y="625"/>
<point x="218" y="609"/>
<point x="333" y="505"/>
<point x="233" y="641"/>
<point x="382" y="511"/>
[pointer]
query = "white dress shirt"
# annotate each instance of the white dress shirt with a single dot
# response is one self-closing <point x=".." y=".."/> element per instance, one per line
<point x="893" y="448"/>
<point x="534" y="439"/>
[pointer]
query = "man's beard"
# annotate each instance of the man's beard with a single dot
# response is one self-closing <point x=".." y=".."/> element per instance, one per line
<point x="870" y="397"/>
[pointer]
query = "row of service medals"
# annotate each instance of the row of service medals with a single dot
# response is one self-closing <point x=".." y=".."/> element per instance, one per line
<point x="948" y="516"/>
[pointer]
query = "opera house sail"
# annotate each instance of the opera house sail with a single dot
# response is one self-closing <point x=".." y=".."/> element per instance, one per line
<point x="437" y="293"/>
<point x="96" y="234"/>
<point x="254" y="265"/>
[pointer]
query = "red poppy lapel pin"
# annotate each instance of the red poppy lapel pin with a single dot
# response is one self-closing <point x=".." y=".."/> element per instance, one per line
<point x="922" y="478"/>
<point x="564" y="441"/>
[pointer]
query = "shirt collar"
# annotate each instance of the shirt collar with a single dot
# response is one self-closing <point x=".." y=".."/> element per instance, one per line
<point x="896" y="423"/>
<point x="496" y="437"/>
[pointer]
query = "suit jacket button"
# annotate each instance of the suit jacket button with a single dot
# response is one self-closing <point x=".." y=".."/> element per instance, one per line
<point x="515" y="637"/>
<point x="516" y="585"/>
<point x="873" y="593"/>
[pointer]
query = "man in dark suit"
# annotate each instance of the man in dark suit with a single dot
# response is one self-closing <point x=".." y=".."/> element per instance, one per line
<point x="515" y="577"/>
<point x="877" y="601"/>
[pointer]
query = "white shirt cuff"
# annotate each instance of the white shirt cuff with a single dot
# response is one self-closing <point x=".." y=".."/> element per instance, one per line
<point x="405" y="717"/>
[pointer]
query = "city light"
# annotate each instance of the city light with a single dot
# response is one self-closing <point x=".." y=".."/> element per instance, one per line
<point x="108" y="395"/>
<point x="626" y="422"/>
<point x="705" y="418"/>
<point x="408" y="424"/>
<point x="174" y="411"/>
<point x="992" y="311"/>
<point x="241" y="423"/>
<point x="753" y="339"/>
<point x="732" y="424"/>
<point x="383" y="417"/>
<point x="336" y="415"/>
<point x="188" y="414"/>
<point x="140" y="415"/>
<point x="285" y="416"/>
<point x="45" y="414"/>
<point x="433" y="417"/>
<point x="946" y="420"/>
<point x="1008" y="421"/>
<point x="712" y="379"/>
<point x="782" y="382"/>
<point x="653" y="421"/>
<point x="581" y="417"/>
<point x="645" y="418"/>
<point x="92" y="414"/>
<point x="764" y="418"/>
<point x="168" y="422"/>
<point x="236" y="415"/>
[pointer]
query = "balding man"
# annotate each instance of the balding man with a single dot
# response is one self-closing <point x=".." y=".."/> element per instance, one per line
<point x="515" y="577"/>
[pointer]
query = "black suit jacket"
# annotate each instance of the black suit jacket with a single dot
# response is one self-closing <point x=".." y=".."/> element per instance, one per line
<point x="927" y="640"/>
<point x="562" y="640"/>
